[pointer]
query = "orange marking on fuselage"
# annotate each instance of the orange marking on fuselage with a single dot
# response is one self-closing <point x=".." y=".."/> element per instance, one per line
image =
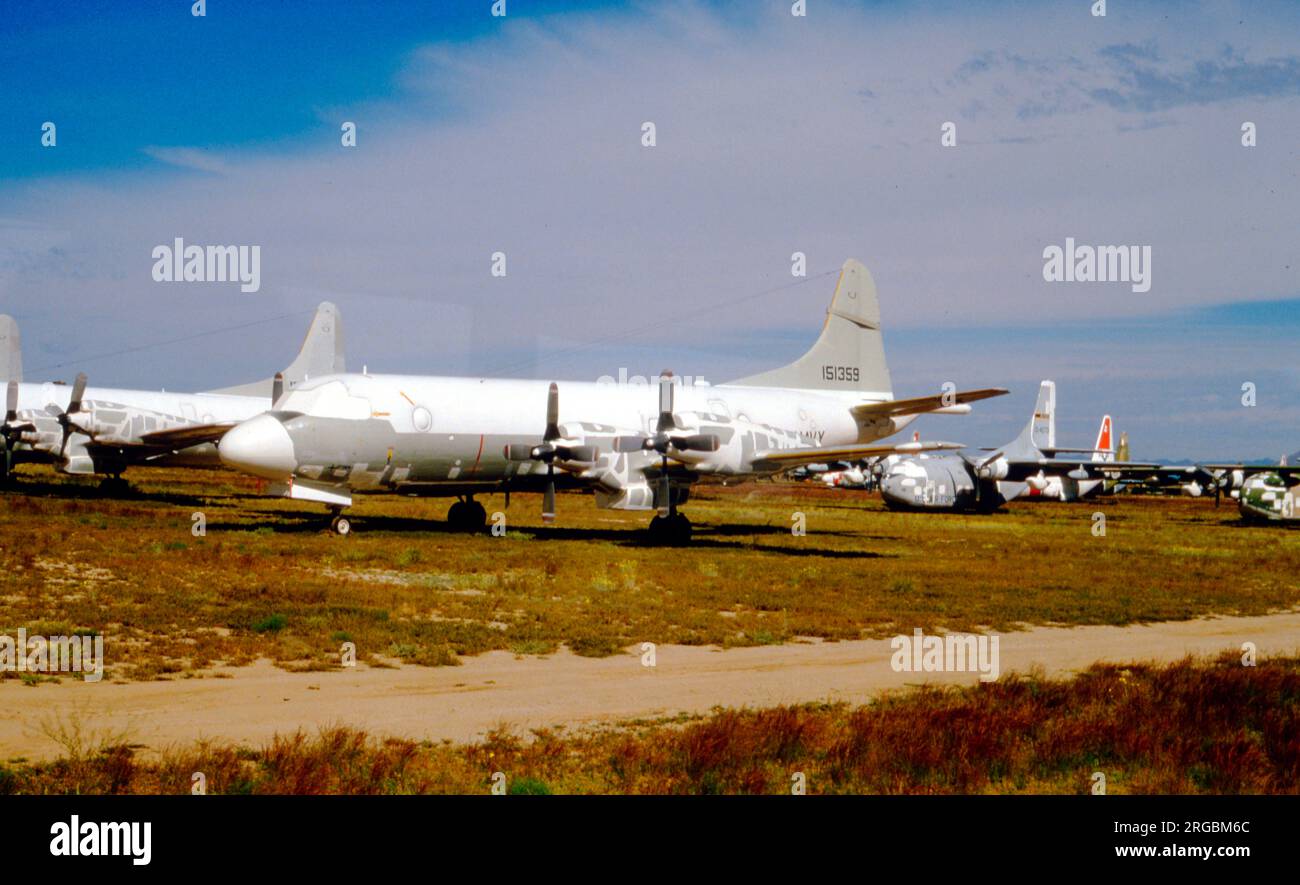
<point x="477" y="457"/>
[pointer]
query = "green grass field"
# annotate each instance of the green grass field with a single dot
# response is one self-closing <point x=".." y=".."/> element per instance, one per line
<point x="268" y="581"/>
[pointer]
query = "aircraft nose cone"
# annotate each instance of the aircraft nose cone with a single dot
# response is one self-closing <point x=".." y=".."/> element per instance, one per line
<point x="891" y="488"/>
<point x="260" y="446"/>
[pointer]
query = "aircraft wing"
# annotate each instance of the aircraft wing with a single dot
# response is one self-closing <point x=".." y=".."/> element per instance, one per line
<point x="1175" y="473"/>
<point x="781" y="459"/>
<point x="184" y="437"/>
<point x="920" y="404"/>
<point x="1023" y="469"/>
<point x="1286" y="471"/>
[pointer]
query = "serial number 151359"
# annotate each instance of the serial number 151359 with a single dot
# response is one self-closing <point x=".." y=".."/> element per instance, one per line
<point x="840" y="373"/>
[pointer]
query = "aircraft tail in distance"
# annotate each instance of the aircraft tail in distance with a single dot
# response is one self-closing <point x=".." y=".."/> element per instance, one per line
<point x="1105" y="448"/>
<point x="11" y="350"/>
<point x="1040" y="433"/>
<point x="321" y="354"/>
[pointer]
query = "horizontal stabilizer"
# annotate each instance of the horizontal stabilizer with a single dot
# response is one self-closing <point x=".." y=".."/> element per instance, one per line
<point x="184" y="437"/>
<point x="921" y="404"/>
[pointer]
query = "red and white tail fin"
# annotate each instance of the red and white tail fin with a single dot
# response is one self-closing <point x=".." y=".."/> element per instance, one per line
<point x="1105" y="447"/>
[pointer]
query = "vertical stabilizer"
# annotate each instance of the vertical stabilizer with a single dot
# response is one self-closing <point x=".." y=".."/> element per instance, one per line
<point x="1104" y="450"/>
<point x="850" y="353"/>
<point x="321" y="354"/>
<point x="11" y="350"/>
<point x="1040" y="432"/>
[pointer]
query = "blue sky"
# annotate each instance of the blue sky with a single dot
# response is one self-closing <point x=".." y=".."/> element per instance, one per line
<point x="775" y="134"/>
<point x="247" y="74"/>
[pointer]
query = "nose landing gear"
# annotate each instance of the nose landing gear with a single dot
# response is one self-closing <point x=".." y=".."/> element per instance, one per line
<point x="339" y="524"/>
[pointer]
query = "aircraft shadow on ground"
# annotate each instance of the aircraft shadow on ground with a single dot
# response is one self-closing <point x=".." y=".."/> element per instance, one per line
<point x="73" y="491"/>
<point x="714" y="537"/>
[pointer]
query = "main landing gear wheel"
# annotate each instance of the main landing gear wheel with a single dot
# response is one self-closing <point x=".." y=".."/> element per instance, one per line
<point x="340" y="524"/>
<point x="674" y="529"/>
<point x="114" y="485"/>
<point x="467" y="516"/>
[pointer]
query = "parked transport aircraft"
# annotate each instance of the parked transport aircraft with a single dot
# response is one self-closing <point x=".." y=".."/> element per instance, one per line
<point x="1264" y="492"/>
<point x="1030" y="464"/>
<point x="337" y="435"/>
<point x="89" y="430"/>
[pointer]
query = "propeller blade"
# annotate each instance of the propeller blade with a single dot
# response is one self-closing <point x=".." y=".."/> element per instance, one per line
<point x="548" y="499"/>
<point x="11" y="401"/>
<point x="665" y="491"/>
<point x="277" y="388"/>
<point x="552" y="413"/>
<point x="666" y="421"/>
<point x="78" y="391"/>
<point x="700" y="442"/>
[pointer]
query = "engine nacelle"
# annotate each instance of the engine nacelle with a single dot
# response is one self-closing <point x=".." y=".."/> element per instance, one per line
<point x="995" y="470"/>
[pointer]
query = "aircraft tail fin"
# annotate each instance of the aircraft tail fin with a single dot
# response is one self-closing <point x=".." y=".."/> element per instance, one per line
<point x="850" y="353"/>
<point x="11" y="350"/>
<point x="1105" y="448"/>
<point x="1040" y="432"/>
<point x="321" y="354"/>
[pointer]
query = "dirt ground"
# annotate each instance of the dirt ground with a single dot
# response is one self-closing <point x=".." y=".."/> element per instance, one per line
<point x="561" y="690"/>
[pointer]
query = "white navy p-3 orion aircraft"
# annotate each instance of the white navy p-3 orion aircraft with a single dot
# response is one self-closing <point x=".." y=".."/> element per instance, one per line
<point x="88" y="430"/>
<point x="421" y="435"/>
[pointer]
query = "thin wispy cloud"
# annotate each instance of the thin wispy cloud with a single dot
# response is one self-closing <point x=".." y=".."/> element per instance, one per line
<point x="197" y="159"/>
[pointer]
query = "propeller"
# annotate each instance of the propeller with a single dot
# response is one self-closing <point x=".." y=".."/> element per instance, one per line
<point x="980" y="468"/>
<point x="551" y="448"/>
<point x="12" y="430"/>
<point x="664" y="441"/>
<point x="74" y="406"/>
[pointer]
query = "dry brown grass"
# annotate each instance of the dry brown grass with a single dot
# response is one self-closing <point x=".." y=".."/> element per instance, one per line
<point x="1190" y="727"/>
<point x="268" y="581"/>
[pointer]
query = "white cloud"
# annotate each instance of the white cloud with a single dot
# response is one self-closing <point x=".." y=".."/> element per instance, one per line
<point x="774" y="135"/>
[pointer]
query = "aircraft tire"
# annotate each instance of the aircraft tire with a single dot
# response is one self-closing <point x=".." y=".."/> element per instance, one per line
<point x="674" y="529"/>
<point x="467" y="516"/>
